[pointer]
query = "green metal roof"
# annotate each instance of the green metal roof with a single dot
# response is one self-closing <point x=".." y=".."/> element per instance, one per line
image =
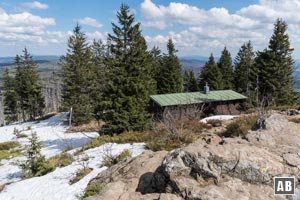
<point x="196" y="97"/>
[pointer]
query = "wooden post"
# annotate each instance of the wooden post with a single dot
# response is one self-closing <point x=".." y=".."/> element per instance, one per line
<point x="70" y="118"/>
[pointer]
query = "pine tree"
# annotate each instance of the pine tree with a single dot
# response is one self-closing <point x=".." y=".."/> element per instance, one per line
<point x="189" y="81"/>
<point x="244" y="69"/>
<point x="10" y="98"/>
<point x="275" y="66"/>
<point x="211" y="75"/>
<point x="131" y="81"/>
<point x="27" y="87"/>
<point x="100" y="57"/>
<point x="35" y="164"/>
<point x="225" y="66"/>
<point x="170" y="79"/>
<point x="79" y="78"/>
<point x="157" y="62"/>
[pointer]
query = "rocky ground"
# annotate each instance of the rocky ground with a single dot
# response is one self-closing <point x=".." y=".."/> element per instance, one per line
<point x="211" y="168"/>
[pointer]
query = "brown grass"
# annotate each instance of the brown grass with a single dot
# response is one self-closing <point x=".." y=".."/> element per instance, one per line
<point x="93" y="126"/>
<point x="80" y="174"/>
<point x="61" y="160"/>
<point x="295" y="120"/>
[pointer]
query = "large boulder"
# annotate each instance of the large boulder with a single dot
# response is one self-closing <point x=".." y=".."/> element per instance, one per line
<point x="132" y="179"/>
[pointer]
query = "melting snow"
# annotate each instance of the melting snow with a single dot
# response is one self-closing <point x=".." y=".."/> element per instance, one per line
<point x="55" y="185"/>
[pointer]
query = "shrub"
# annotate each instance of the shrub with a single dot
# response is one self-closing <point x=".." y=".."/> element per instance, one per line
<point x="92" y="189"/>
<point x="215" y="122"/>
<point x="9" y="145"/>
<point x="110" y="160"/>
<point x="36" y="164"/>
<point x="61" y="160"/>
<point x="240" y="127"/>
<point x="80" y="173"/>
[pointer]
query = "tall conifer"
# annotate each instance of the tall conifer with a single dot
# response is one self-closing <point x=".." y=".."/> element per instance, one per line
<point x="211" y="75"/>
<point x="170" y="78"/>
<point x="131" y="81"/>
<point x="10" y="98"/>
<point x="225" y="66"/>
<point x="275" y="66"/>
<point x="27" y="87"/>
<point x="79" y="78"/>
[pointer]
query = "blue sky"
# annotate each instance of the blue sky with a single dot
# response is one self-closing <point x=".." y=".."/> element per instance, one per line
<point x="197" y="27"/>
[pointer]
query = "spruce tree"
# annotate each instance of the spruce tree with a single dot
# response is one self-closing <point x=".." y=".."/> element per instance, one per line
<point x="100" y="57"/>
<point x="189" y="81"/>
<point x="211" y="75"/>
<point x="27" y="87"/>
<point x="244" y="68"/>
<point x="225" y="66"/>
<point x="170" y="78"/>
<point x="131" y="81"/>
<point x="10" y="98"/>
<point x="79" y="78"/>
<point x="275" y="66"/>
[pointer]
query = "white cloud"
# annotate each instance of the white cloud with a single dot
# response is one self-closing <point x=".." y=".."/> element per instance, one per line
<point x="90" y="22"/>
<point x="25" y="27"/>
<point x="35" y="5"/>
<point x="208" y="30"/>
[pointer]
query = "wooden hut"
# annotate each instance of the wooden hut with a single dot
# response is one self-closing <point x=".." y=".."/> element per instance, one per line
<point x="192" y="104"/>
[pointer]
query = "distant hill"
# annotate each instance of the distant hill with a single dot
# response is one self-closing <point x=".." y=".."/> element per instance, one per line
<point x="192" y="64"/>
<point x="48" y="65"/>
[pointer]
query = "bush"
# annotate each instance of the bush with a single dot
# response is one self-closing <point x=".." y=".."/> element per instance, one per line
<point x="92" y="189"/>
<point x="240" y="127"/>
<point x="80" y="174"/>
<point x="36" y="164"/>
<point x="9" y="145"/>
<point x="110" y="160"/>
<point x="61" y="160"/>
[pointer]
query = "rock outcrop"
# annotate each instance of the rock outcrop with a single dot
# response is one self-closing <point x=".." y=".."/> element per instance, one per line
<point x="212" y="168"/>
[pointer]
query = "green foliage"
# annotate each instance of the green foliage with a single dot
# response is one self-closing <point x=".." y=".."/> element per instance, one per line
<point x="61" y="160"/>
<point x="240" y="127"/>
<point x="275" y="66"/>
<point x="127" y="93"/>
<point x="80" y="173"/>
<point x="225" y="67"/>
<point x="189" y="82"/>
<point x="29" y="92"/>
<point x="9" y="145"/>
<point x="92" y="189"/>
<point x="211" y="75"/>
<point x="10" y="98"/>
<point x="169" y="77"/>
<point x="245" y="72"/>
<point x="35" y="164"/>
<point x="110" y="160"/>
<point x="79" y="78"/>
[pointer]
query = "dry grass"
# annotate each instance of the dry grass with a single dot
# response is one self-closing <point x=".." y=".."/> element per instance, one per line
<point x="80" y="174"/>
<point x="294" y="119"/>
<point x="93" y="126"/>
<point x="2" y="187"/>
<point x="61" y="160"/>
